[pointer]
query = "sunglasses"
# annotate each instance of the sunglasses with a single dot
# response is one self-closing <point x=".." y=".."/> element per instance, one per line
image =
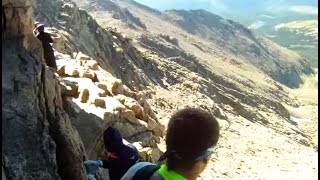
<point x="205" y="155"/>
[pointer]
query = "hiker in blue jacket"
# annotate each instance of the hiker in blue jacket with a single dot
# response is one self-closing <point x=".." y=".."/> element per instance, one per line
<point x="120" y="156"/>
<point x="191" y="135"/>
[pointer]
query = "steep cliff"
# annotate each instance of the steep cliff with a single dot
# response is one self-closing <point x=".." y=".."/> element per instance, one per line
<point x="37" y="138"/>
<point x="45" y="135"/>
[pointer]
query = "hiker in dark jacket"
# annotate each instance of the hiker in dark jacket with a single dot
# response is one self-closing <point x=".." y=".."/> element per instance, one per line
<point x="191" y="135"/>
<point x="121" y="157"/>
<point x="46" y="40"/>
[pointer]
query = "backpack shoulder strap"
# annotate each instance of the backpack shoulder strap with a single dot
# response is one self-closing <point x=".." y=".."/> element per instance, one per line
<point x="146" y="172"/>
<point x="133" y="147"/>
<point x="136" y="150"/>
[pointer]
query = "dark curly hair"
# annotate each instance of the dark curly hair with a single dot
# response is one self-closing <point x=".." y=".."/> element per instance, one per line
<point x="191" y="131"/>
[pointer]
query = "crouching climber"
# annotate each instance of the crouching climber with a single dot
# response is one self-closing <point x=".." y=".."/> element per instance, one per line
<point x="120" y="156"/>
<point x="191" y="135"/>
<point x="46" y="40"/>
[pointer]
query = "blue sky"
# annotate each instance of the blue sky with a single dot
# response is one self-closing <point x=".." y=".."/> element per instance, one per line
<point x="236" y="6"/>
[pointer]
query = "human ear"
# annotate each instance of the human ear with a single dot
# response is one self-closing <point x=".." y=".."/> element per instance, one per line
<point x="205" y="160"/>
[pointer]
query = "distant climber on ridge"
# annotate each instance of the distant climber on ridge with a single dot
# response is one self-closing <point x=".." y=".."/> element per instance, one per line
<point x="191" y="135"/>
<point x="120" y="156"/>
<point x="46" y="40"/>
<point x="35" y="29"/>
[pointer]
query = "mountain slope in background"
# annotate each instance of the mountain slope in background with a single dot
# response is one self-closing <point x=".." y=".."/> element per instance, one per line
<point x="216" y="33"/>
<point x="295" y="33"/>
<point x="293" y="30"/>
<point x="300" y="36"/>
<point x="263" y="16"/>
<point x="239" y="40"/>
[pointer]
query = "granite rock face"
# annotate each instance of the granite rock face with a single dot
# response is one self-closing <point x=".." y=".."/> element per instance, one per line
<point x="97" y="103"/>
<point x="37" y="138"/>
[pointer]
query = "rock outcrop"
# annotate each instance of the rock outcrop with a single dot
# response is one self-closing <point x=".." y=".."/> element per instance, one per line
<point x="38" y="139"/>
<point x="40" y="128"/>
<point x="101" y="100"/>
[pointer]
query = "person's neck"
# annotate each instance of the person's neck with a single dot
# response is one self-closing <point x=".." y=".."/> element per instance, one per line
<point x="190" y="175"/>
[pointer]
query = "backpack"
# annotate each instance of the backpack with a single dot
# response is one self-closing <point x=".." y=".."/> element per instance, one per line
<point x="146" y="172"/>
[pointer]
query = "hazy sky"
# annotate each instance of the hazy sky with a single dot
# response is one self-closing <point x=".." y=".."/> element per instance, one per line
<point x="236" y="6"/>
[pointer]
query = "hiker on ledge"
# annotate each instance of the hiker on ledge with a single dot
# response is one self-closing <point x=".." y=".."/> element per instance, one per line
<point x="190" y="136"/>
<point x="46" y="40"/>
<point x="120" y="156"/>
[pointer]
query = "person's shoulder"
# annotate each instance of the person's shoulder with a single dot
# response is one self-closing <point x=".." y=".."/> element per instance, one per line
<point x="134" y="169"/>
<point x="129" y="153"/>
<point x="129" y="149"/>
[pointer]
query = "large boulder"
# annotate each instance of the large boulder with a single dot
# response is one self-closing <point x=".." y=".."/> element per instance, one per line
<point x="84" y="95"/>
<point x="69" y="88"/>
<point x="90" y="64"/>
<point x="133" y="105"/>
<point x="147" y="108"/>
<point x="114" y="85"/>
<point x="105" y="88"/>
<point x="100" y="102"/>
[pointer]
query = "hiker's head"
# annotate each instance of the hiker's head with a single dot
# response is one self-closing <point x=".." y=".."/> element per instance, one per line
<point x="191" y="134"/>
<point x="112" y="139"/>
<point x="35" y="24"/>
<point x="40" y="28"/>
